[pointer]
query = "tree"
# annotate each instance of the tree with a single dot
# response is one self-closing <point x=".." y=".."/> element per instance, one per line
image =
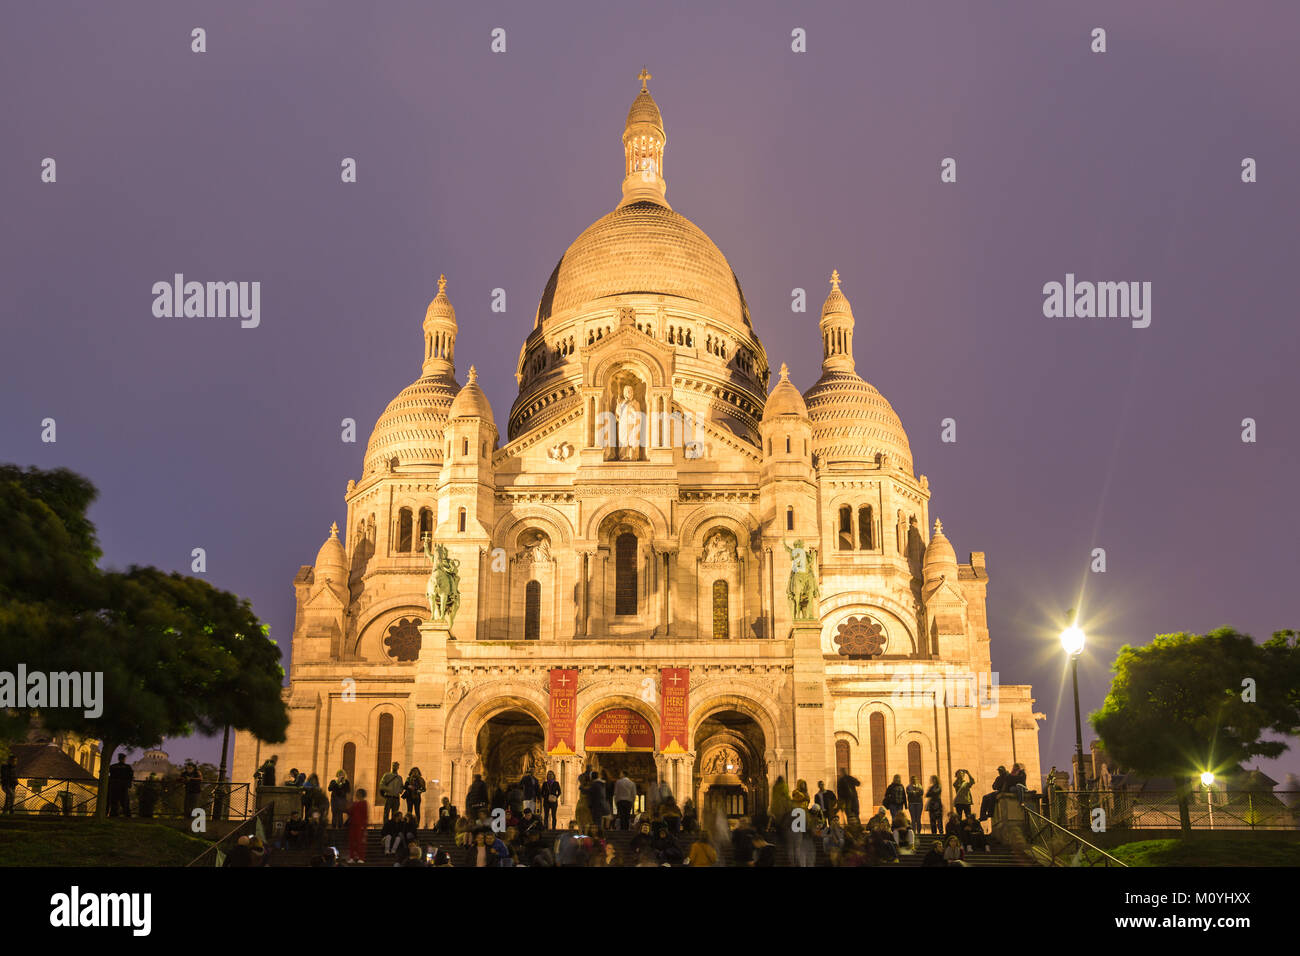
<point x="175" y="653"/>
<point x="1181" y="705"/>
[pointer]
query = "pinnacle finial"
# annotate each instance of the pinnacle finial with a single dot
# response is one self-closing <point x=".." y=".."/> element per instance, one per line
<point x="938" y="526"/>
<point x="334" y="529"/>
<point x="835" y="280"/>
<point x="643" y="76"/>
<point x="442" y="285"/>
<point x="785" y="372"/>
<point x="473" y="375"/>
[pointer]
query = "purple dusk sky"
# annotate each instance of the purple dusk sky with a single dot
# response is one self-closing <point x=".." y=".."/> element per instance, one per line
<point x="1071" y="433"/>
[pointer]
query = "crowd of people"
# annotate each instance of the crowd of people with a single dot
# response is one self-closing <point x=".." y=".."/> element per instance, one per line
<point x="514" y="824"/>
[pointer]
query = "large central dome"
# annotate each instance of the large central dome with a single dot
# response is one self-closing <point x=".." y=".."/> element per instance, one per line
<point x="643" y="247"/>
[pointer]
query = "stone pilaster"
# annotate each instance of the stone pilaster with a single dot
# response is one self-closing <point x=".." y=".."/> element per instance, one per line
<point x="425" y="744"/>
<point x="810" y="703"/>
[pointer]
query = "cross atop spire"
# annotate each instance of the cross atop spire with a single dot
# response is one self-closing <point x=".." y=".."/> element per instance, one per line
<point x="442" y="285"/>
<point x="785" y="373"/>
<point x="473" y="375"/>
<point x="938" y="526"/>
<point x="643" y="76"/>
<point x="835" y="280"/>
<point x="334" y="529"/>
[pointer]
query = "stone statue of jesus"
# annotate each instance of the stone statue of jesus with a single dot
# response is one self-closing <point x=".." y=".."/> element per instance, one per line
<point x="628" y="413"/>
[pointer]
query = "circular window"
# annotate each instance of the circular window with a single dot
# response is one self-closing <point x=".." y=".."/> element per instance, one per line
<point x="861" y="637"/>
<point x="403" y="639"/>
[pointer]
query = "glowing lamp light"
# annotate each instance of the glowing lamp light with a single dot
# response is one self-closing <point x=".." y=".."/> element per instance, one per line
<point x="1072" y="640"/>
<point x="1207" y="779"/>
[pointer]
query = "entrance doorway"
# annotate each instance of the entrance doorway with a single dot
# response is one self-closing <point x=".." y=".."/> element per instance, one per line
<point x="510" y="744"/>
<point x="730" y="769"/>
<point x="640" y="768"/>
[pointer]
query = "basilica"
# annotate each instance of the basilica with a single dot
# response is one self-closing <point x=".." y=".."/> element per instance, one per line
<point x="665" y="564"/>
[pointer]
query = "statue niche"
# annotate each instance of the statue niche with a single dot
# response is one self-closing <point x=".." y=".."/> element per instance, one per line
<point x="623" y="431"/>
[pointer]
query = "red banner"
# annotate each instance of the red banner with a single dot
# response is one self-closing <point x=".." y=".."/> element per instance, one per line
<point x="562" y="728"/>
<point x="674" y="708"/>
<point x="619" y="729"/>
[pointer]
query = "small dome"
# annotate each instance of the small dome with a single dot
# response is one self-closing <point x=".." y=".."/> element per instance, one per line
<point x="440" y="308"/>
<point x="852" y="421"/>
<point x="332" y="560"/>
<point x="785" y="399"/>
<point x="411" y="427"/>
<point x="470" y="401"/>
<point x="940" y="558"/>
<point x="837" y="303"/>
<point x="645" y="111"/>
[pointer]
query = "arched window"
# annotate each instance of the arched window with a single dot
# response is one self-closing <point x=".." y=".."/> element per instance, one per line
<point x="384" y="750"/>
<point x="464" y="446"/>
<point x="404" y="530"/>
<point x="532" y="610"/>
<point x="866" y="529"/>
<point x="787" y="444"/>
<point x="721" y="612"/>
<point x="845" y="539"/>
<point x="789" y="519"/>
<point x="350" y="762"/>
<point x="460" y="521"/>
<point x="426" y="524"/>
<point x="878" y="766"/>
<point x="625" y="596"/>
<point x="914" y="762"/>
<point x="485" y="449"/>
<point x="841" y="757"/>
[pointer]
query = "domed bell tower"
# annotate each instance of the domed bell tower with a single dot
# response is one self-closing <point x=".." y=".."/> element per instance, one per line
<point x="643" y="150"/>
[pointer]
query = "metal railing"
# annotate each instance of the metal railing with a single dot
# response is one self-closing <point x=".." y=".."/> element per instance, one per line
<point x="163" y="799"/>
<point x="212" y="856"/>
<point x="1051" y="844"/>
<point x="1159" y="810"/>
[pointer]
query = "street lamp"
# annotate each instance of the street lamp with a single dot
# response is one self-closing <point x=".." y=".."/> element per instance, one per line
<point x="1072" y="640"/>
<point x="1207" y="781"/>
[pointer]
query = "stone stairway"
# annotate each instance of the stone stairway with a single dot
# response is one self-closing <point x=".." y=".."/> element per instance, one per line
<point x="997" y="855"/>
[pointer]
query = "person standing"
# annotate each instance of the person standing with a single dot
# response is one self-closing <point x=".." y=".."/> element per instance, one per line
<point x="340" y="792"/>
<point x="390" y="788"/>
<point x="529" y="788"/>
<point x="120" y="778"/>
<point x="413" y="792"/>
<point x="915" y="801"/>
<point x="266" y="773"/>
<point x="596" y="799"/>
<point x="9" y="782"/>
<point x="477" y="798"/>
<point x="192" y="780"/>
<point x="895" y="796"/>
<point x="934" y="804"/>
<point x="962" y="785"/>
<point x="358" y="820"/>
<point x="550" y="792"/>
<point x="624" y="798"/>
<point x="846" y="792"/>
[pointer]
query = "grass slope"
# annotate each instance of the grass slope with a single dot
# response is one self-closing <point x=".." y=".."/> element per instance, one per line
<point x="1225" y="852"/>
<point x="82" y="842"/>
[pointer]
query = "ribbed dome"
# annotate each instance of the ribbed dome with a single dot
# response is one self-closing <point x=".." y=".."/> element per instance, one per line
<point x="784" y="400"/>
<point x="411" y="427"/>
<point x="940" y="558"/>
<point x="470" y="401"/>
<point x="852" y="421"/>
<point x="646" y="248"/>
<point x="645" y="110"/>
<point x="332" y="560"/>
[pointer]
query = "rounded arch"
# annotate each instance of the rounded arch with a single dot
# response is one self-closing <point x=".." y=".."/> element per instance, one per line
<point x="838" y="608"/>
<point x="712" y="703"/>
<point x="633" y="359"/>
<point x="649" y="513"/>
<point x="516" y="521"/>
<point x="369" y="642"/>
<point x="736" y="520"/>
<point x="484" y="702"/>
<point x="598" y="700"/>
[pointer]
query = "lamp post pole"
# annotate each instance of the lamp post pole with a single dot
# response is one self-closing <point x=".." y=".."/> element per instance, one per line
<point x="1072" y="640"/>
